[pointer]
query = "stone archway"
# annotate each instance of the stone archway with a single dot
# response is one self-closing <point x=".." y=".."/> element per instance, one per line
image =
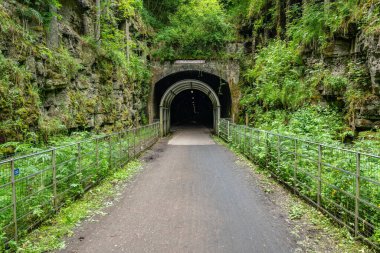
<point x="174" y="90"/>
<point x="168" y="73"/>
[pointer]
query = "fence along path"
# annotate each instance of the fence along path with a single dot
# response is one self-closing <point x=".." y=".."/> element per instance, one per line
<point x="35" y="186"/>
<point x="342" y="183"/>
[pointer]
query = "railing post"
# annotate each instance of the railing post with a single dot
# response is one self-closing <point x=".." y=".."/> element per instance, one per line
<point x="236" y="134"/>
<point x="14" y="199"/>
<point x="295" y="165"/>
<point x="110" y="151"/>
<point x="228" y="131"/>
<point x="54" y="167"/>
<point x="251" y="145"/>
<point x="155" y="131"/>
<point x="145" y="137"/>
<point x="319" y="175"/>
<point x="242" y="144"/>
<point x="242" y="138"/>
<point x="267" y="150"/>
<point x="233" y="134"/>
<point x="218" y="128"/>
<point x="79" y="158"/>
<point x="128" y="143"/>
<point x="357" y="194"/>
<point x="245" y="141"/>
<point x="250" y="141"/>
<point x="141" y="139"/>
<point x="120" y="150"/>
<point x="134" y="142"/>
<point x="256" y="141"/>
<point x="278" y="154"/>
<point x="138" y="141"/>
<point x="97" y="152"/>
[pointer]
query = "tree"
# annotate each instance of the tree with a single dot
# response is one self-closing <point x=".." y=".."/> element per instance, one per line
<point x="161" y="10"/>
<point x="199" y="29"/>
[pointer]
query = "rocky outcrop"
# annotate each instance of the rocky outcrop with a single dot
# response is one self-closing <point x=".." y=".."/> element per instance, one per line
<point x="361" y="49"/>
<point x="368" y="112"/>
<point x="80" y="84"/>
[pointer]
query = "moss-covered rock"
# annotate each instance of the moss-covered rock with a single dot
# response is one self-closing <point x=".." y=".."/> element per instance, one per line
<point x="80" y="83"/>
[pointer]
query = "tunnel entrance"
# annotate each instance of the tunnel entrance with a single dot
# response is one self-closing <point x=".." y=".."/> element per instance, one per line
<point x="190" y="97"/>
<point x="176" y="89"/>
<point x="192" y="107"/>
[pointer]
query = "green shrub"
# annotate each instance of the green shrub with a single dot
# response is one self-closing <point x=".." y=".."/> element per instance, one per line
<point x="50" y="126"/>
<point x="199" y="29"/>
<point x="276" y="78"/>
<point x="324" y="124"/>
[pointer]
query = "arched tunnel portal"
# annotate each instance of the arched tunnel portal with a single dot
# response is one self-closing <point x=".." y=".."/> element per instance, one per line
<point x="191" y="97"/>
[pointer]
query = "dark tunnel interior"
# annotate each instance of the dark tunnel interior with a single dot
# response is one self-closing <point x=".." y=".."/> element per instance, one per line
<point x="182" y="109"/>
<point x="192" y="107"/>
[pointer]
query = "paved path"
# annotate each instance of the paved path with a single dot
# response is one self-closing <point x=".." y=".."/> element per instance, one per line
<point x="191" y="197"/>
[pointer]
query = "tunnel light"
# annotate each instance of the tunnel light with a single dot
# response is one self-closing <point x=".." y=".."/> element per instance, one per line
<point x="192" y="91"/>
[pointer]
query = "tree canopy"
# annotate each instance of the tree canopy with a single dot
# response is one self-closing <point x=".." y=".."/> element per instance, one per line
<point x="198" y="29"/>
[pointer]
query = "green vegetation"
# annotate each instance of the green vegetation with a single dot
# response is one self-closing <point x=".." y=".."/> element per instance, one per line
<point x="157" y="13"/>
<point x="330" y="184"/>
<point x="288" y="75"/>
<point x="51" y="234"/>
<point x="96" y="76"/>
<point x="312" y="122"/>
<point x="198" y="29"/>
<point x="49" y="179"/>
<point x="81" y="73"/>
<point x="276" y="79"/>
<point x="19" y="101"/>
<point x="324" y="235"/>
<point x="291" y="86"/>
<point x="316" y="123"/>
<point x="320" y="21"/>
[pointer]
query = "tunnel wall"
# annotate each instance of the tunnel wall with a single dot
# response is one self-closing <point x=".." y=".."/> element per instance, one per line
<point x="229" y="71"/>
<point x="177" y="88"/>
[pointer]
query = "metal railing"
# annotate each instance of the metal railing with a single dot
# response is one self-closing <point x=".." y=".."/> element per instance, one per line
<point x="342" y="183"/>
<point x="33" y="187"/>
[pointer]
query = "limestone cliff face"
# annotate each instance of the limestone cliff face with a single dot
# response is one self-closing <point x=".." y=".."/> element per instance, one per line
<point x="349" y="50"/>
<point x="355" y="55"/>
<point x="55" y="75"/>
<point x="368" y="114"/>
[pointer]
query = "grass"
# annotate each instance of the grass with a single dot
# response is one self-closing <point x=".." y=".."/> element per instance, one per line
<point x="50" y="236"/>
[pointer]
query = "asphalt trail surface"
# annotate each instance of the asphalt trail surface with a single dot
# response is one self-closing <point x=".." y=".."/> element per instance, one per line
<point x="192" y="196"/>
